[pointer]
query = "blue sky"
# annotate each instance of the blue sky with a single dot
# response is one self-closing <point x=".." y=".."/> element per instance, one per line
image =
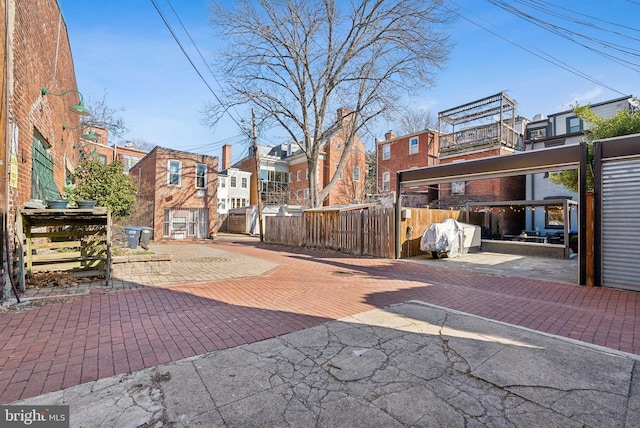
<point x="122" y="48"/>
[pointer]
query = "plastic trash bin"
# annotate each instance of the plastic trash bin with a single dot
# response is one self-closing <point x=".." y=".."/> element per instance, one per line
<point x="133" y="236"/>
<point x="145" y="236"/>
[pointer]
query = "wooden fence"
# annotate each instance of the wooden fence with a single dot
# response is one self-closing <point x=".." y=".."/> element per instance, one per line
<point x="415" y="221"/>
<point x="362" y="232"/>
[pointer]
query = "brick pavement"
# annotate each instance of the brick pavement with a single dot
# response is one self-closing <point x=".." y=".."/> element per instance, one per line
<point x="53" y="346"/>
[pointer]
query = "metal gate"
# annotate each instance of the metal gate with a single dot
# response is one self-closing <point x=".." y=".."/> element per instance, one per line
<point x="618" y="185"/>
<point x="620" y="231"/>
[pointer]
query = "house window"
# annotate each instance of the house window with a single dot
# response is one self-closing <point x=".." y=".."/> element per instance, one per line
<point x="129" y="161"/>
<point x="356" y="173"/>
<point x="290" y="178"/>
<point x="306" y="174"/>
<point x="457" y="188"/>
<point x="175" y="173"/>
<point x="298" y="194"/>
<point x="386" y="181"/>
<point x="201" y="176"/>
<point x="101" y="158"/>
<point x="298" y="175"/>
<point x="233" y="181"/>
<point x="386" y="152"/>
<point x="340" y="176"/>
<point x="537" y="133"/>
<point x="554" y="217"/>
<point x="179" y="224"/>
<point x="306" y="193"/>
<point x="243" y="183"/>
<point x="223" y="182"/>
<point x="574" y="124"/>
<point x="413" y="146"/>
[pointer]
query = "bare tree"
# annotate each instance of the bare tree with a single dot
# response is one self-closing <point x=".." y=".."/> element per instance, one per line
<point x="415" y="121"/>
<point x="104" y="116"/>
<point x="299" y="61"/>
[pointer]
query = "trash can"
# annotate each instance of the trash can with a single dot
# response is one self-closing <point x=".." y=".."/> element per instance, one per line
<point x="145" y="236"/>
<point x="133" y="236"/>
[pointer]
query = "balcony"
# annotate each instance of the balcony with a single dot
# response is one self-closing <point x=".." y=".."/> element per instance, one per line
<point x="495" y="135"/>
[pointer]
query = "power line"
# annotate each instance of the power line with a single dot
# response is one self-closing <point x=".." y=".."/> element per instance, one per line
<point x="542" y="55"/>
<point x="572" y="36"/>
<point x="195" y="68"/>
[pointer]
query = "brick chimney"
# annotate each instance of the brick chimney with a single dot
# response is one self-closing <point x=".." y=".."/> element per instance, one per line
<point x="226" y="157"/>
<point x="390" y="135"/>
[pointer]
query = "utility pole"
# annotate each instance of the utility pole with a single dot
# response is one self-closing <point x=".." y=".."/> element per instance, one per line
<point x="254" y="136"/>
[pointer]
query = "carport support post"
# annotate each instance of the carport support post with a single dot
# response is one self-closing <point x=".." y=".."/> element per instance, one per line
<point x="582" y="210"/>
<point x="398" y="216"/>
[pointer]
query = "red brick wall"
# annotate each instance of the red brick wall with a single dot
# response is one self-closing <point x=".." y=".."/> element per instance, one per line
<point x="36" y="65"/>
<point x="400" y="159"/>
<point x="345" y="190"/>
<point x="151" y="176"/>
<point x="296" y="185"/>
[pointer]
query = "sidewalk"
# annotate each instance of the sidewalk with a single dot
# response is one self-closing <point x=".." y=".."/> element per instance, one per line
<point x="109" y="332"/>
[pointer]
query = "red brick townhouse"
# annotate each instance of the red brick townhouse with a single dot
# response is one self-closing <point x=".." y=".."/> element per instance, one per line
<point x="393" y="154"/>
<point x="180" y="191"/>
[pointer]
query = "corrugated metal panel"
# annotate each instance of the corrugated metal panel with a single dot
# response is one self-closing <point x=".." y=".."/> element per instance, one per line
<point x="620" y="228"/>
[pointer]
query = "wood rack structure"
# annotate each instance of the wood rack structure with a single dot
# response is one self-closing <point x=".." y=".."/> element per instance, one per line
<point x="76" y="241"/>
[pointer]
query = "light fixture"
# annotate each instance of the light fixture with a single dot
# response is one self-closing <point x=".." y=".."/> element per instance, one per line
<point x="76" y="108"/>
<point x="91" y="136"/>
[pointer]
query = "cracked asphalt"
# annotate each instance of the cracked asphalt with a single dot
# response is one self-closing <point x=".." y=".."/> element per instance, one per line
<point x="411" y="364"/>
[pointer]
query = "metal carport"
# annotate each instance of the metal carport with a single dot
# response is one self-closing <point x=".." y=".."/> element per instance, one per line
<point x="530" y="162"/>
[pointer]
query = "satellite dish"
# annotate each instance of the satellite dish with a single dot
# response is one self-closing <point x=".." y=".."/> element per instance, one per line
<point x="634" y="102"/>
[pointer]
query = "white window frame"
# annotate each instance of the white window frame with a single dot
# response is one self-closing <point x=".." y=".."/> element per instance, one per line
<point x="356" y="174"/>
<point x="298" y="175"/>
<point x="306" y="193"/>
<point x="203" y="177"/>
<point x="170" y="174"/>
<point x="386" y="181"/>
<point x="243" y="182"/>
<point x="298" y="194"/>
<point x="414" y="146"/>
<point x="306" y="174"/>
<point x="340" y="176"/>
<point x="386" y="151"/>
<point x="233" y="181"/>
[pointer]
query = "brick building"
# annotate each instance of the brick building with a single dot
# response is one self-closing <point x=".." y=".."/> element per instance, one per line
<point x="38" y="126"/>
<point x="483" y="128"/>
<point x="44" y="142"/>
<point x="393" y="154"/>
<point x="179" y="191"/>
<point x="284" y="171"/>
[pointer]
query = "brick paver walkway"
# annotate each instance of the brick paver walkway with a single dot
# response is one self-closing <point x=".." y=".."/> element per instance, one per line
<point x="61" y="344"/>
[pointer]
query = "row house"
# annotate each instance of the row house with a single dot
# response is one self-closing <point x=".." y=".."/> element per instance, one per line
<point x="479" y="129"/>
<point x="179" y="191"/>
<point x="415" y="150"/>
<point x="284" y="172"/>
<point x="558" y="129"/>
